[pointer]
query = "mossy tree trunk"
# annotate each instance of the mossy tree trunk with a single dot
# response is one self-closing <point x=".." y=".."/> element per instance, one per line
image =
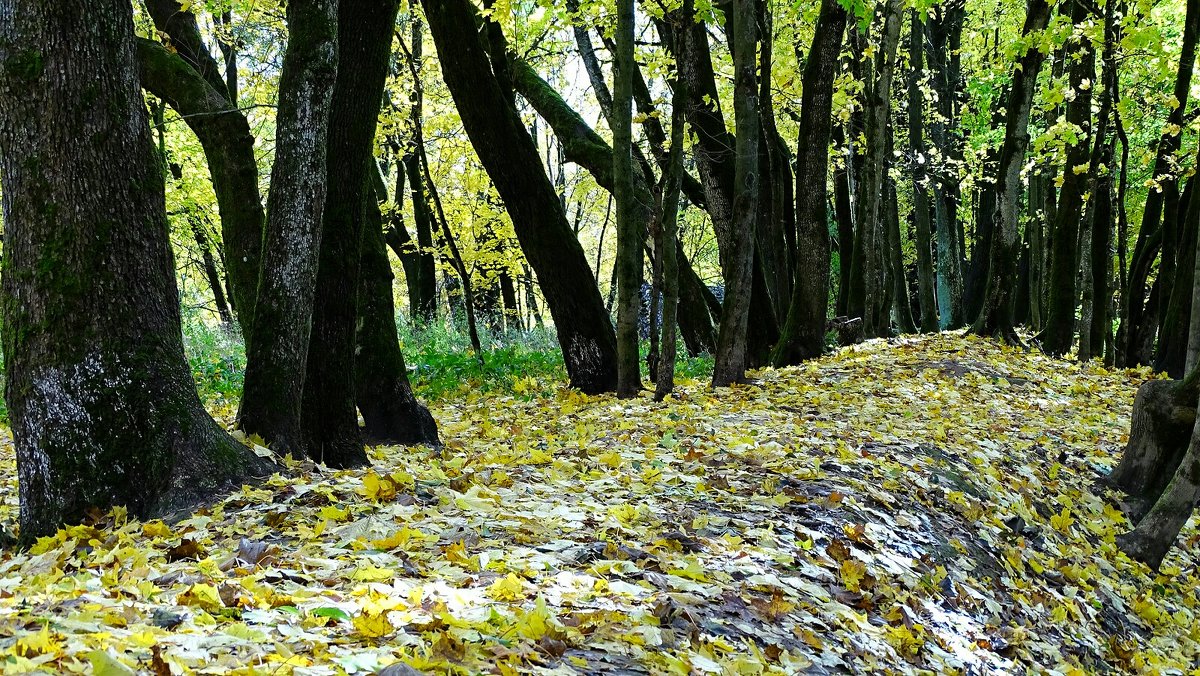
<point x="101" y="400"/>
<point x="664" y="377"/>
<point x="329" y="414"/>
<point x="479" y="86"/>
<point x="277" y="348"/>
<point x="996" y="310"/>
<point x="803" y="334"/>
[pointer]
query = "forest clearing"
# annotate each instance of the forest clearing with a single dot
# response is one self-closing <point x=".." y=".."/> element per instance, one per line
<point x="925" y="504"/>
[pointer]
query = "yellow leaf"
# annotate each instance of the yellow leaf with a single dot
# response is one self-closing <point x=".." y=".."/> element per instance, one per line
<point x="373" y="626"/>
<point x="508" y="588"/>
<point x="203" y="596"/>
<point x="372" y="574"/>
<point x="105" y="664"/>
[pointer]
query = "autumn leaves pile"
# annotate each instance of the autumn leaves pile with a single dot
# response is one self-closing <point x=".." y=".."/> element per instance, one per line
<point x="922" y="504"/>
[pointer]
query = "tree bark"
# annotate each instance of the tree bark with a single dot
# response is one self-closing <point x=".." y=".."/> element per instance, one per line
<point x="631" y="231"/>
<point x="803" y="334"/>
<point x="918" y="161"/>
<point x="1137" y="319"/>
<point x="101" y="401"/>
<point x="1171" y="353"/>
<point x="731" y="356"/>
<point x="277" y="349"/>
<point x="391" y="413"/>
<point x="329" y="414"/>
<point x="511" y="160"/>
<point x="996" y="313"/>
<point x="666" y="244"/>
<point x="1059" y="332"/>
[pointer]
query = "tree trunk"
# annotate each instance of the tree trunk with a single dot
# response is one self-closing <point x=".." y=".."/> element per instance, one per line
<point x="868" y="289"/>
<point x="731" y="356"/>
<point x="996" y="313"/>
<point x="1059" y="332"/>
<point x="687" y="42"/>
<point x="425" y="307"/>
<point x="391" y="413"/>
<point x="511" y="160"/>
<point x="330" y="416"/>
<point x="228" y="146"/>
<point x="918" y="160"/>
<point x="101" y="401"/>
<point x="1171" y="354"/>
<point x="631" y="223"/>
<point x="1137" y="319"/>
<point x="667" y="241"/>
<point x="1160" y="469"/>
<point x="803" y="334"/>
<point x="843" y="210"/>
<point x="210" y="270"/>
<point x="277" y="349"/>
<point x="944" y="32"/>
<point x="583" y="146"/>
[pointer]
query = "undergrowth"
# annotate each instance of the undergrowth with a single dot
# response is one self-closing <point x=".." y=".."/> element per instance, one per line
<point x="440" y="361"/>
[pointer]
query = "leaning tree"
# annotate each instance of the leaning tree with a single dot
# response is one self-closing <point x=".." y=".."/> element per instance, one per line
<point x="100" y="396"/>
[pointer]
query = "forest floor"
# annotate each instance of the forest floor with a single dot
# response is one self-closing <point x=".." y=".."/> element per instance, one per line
<point x="924" y="504"/>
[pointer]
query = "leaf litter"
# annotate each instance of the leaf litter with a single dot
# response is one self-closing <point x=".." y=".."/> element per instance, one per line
<point x="920" y="505"/>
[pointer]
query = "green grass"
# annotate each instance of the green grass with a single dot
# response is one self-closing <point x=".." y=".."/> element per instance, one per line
<point x="440" y="361"/>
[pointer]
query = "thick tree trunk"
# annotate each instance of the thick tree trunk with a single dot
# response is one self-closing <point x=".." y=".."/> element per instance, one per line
<point x="803" y="334"/>
<point x="732" y="347"/>
<point x="277" y="349"/>
<point x="391" y="413"/>
<point x="1059" y="332"/>
<point x="330" y="417"/>
<point x="511" y="160"/>
<point x="918" y="161"/>
<point x="631" y="223"/>
<point x="996" y="314"/>
<point x="1160" y="469"/>
<point x="228" y="146"/>
<point x="101" y="401"/>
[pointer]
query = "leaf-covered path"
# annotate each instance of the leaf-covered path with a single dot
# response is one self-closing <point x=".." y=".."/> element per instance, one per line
<point x="925" y="504"/>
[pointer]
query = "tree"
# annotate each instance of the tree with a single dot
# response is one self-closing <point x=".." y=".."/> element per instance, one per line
<point x="803" y="334"/>
<point x="206" y="105"/>
<point x="391" y="413"/>
<point x="918" y="160"/>
<point x="277" y="347"/>
<point x="1059" y="332"/>
<point x="630" y="232"/>
<point x="100" y="397"/>
<point x="868" y="286"/>
<point x="328" y="412"/>
<point x="996" y="313"/>
<point x="730" y="359"/>
<point x="507" y="152"/>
